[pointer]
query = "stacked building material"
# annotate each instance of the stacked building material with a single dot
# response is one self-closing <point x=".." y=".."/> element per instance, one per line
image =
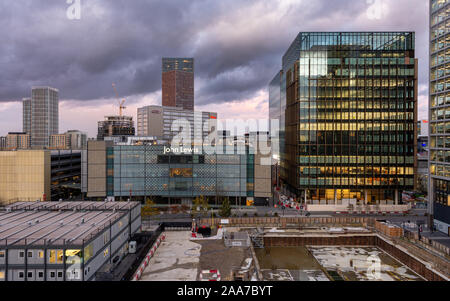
<point x="389" y="229"/>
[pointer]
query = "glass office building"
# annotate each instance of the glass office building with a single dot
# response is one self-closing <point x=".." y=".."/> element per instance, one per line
<point x="147" y="171"/>
<point x="275" y="107"/>
<point x="349" y="105"/>
<point x="439" y="115"/>
<point x="26" y="116"/>
<point x="141" y="171"/>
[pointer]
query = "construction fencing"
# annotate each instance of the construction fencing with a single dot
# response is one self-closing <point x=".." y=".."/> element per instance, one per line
<point x="288" y="221"/>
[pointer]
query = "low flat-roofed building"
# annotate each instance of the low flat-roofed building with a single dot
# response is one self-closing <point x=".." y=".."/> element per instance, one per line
<point x="39" y="175"/>
<point x="77" y="139"/>
<point x="59" y="141"/>
<point x="171" y="177"/>
<point x="160" y="121"/>
<point x="64" y="241"/>
<point x="15" y="141"/>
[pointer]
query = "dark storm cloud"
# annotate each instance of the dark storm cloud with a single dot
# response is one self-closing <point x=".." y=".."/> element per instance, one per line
<point x="237" y="44"/>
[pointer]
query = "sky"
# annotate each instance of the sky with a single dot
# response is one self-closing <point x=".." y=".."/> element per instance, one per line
<point x="237" y="46"/>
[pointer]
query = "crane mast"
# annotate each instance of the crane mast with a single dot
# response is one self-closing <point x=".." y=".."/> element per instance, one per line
<point x="121" y="102"/>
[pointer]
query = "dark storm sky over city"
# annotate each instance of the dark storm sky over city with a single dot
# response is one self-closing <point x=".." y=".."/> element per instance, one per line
<point x="237" y="46"/>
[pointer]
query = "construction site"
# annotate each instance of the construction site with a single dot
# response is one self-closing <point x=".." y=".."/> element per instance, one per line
<point x="293" y="249"/>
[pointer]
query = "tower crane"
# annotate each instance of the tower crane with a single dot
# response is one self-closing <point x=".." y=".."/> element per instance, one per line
<point x="121" y="102"/>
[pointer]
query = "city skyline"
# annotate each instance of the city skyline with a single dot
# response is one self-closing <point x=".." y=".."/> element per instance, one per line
<point x="236" y="54"/>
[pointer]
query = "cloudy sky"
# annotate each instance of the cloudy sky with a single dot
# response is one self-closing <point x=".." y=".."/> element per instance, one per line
<point x="237" y="46"/>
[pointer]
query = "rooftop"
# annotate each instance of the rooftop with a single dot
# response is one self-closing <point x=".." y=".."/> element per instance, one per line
<point x="57" y="223"/>
<point x="86" y="206"/>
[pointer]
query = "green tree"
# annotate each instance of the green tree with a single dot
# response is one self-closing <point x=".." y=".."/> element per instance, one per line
<point x="225" y="210"/>
<point x="200" y="204"/>
<point x="149" y="208"/>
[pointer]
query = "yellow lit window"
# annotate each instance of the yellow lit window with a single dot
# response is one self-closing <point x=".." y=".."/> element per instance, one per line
<point x="52" y="256"/>
<point x="105" y="253"/>
<point x="2" y="275"/>
<point x="60" y="256"/>
<point x="41" y="254"/>
<point x="73" y="256"/>
<point x="88" y="252"/>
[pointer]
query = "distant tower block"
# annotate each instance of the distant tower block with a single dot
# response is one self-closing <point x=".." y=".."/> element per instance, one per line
<point x="178" y="83"/>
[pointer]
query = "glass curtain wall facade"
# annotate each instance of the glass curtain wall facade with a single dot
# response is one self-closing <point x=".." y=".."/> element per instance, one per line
<point x="440" y="114"/>
<point x="349" y="115"/>
<point x="275" y="103"/>
<point x="26" y="116"/>
<point x="147" y="171"/>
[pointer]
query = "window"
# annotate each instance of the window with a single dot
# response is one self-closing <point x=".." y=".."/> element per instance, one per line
<point x="52" y="274"/>
<point x="73" y="256"/>
<point x="181" y="172"/>
<point x="21" y="254"/>
<point x="60" y="256"/>
<point x="21" y="275"/>
<point x="52" y="258"/>
<point x="88" y="252"/>
<point x="60" y="274"/>
<point x="30" y="275"/>
<point x="2" y="254"/>
<point x="41" y="254"/>
<point x="105" y="253"/>
<point x="2" y="274"/>
<point x="30" y="254"/>
<point x="41" y="275"/>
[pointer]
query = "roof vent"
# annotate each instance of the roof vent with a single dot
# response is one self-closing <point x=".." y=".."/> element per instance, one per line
<point x="82" y="220"/>
<point x="37" y="221"/>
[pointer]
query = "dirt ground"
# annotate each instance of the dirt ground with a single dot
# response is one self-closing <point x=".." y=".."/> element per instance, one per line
<point x="215" y="256"/>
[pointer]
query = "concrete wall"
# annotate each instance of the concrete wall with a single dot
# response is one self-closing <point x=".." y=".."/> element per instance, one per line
<point x="25" y="175"/>
<point x="329" y="240"/>
<point x="357" y="240"/>
<point x="263" y="177"/>
<point x="96" y="169"/>
<point x="155" y="122"/>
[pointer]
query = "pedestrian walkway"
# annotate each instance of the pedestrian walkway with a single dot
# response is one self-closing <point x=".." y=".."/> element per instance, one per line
<point x="438" y="237"/>
<point x="177" y="259"/>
